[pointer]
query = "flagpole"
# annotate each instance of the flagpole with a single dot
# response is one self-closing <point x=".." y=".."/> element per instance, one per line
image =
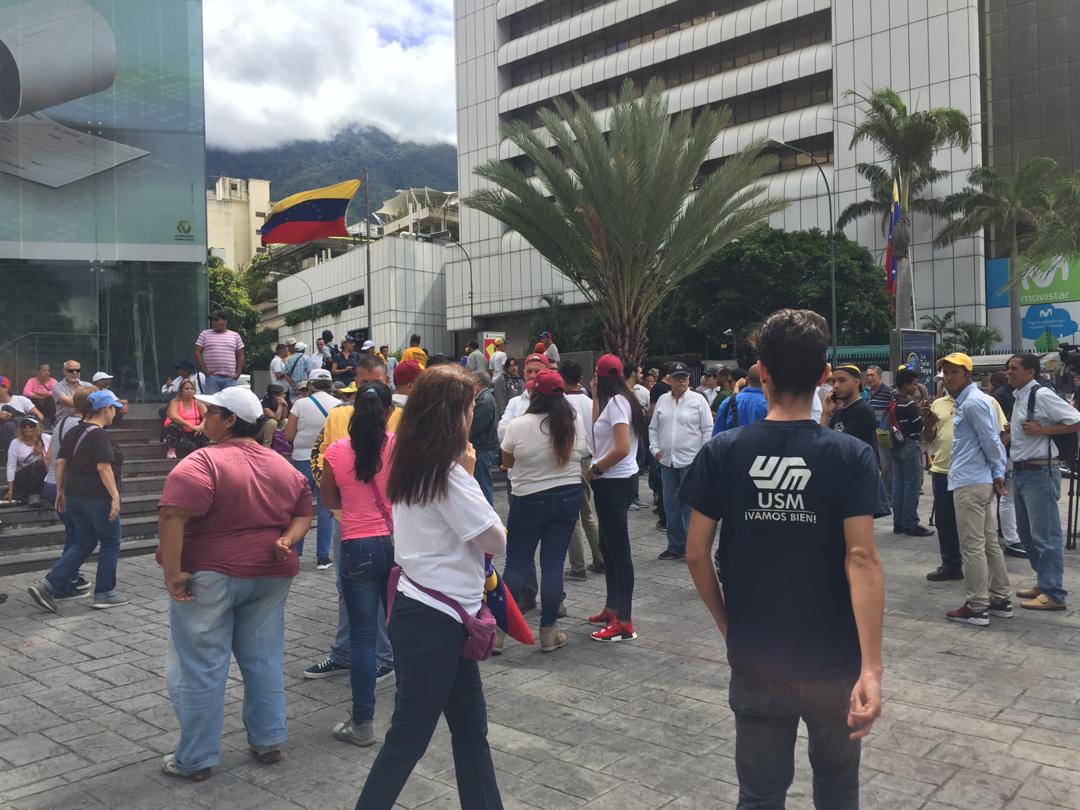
<point x="369" y="299"/>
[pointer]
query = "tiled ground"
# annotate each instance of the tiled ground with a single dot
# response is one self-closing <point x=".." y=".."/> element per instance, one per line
<point x="974" y="718"/>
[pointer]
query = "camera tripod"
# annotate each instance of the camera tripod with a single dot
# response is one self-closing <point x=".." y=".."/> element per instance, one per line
<point x="1073" y="509"/>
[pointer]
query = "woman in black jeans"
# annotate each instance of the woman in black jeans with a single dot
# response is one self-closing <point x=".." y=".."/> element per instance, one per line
<point x="443" y="527"/>
<point x="618" y="423"/>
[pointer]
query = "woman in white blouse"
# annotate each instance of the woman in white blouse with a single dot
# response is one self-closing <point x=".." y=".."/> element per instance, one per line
<point x="27" y="462"/>
<point x="443" y="527"/>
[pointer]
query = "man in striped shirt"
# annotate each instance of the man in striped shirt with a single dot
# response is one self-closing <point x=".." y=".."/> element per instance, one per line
<point x="219" y="353"/>
<point x="906" y="424"/>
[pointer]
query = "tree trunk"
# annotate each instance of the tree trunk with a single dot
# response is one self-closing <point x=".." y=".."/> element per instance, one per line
<point x="1016" y="337"/>
<point x="905" y="318"/>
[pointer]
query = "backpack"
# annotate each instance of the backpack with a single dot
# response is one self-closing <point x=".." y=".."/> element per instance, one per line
<point x="1066" y="443"/>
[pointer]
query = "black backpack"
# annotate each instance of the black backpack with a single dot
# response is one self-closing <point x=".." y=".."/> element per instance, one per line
<point x="1067" y="443"/>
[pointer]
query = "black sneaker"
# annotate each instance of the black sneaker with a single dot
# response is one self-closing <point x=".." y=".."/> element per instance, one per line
<point x="81" y="584"/>
<point x="322" y="563"/>
<point x="1001" y="608"/>
<point x="573" y="573"/>
<point x="919" y="531"/>
<point x="72" y="594"/>
<point x="325" y="669"/>
<point x="596" y="568"/>
<point x="42" y="596"/>
<point x="897" y="529"/>
<point x="668" y="554"/>
<point x="943" y="574"/>
<point x="1015" y="550"/>
<point x="383" y="672"/>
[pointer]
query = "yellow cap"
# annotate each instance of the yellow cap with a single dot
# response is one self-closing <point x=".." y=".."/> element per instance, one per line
<point x="348" y="389"/>
<point x="957" y="359"/>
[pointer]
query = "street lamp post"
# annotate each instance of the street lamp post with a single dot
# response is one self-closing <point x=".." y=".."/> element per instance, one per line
<point x="448" y="241"/>
<point x="832" y="234"/>
<point x="311" y="300"/>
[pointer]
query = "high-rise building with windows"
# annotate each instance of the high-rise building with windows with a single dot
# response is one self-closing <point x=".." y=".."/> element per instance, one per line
<point x="785" y="69"/>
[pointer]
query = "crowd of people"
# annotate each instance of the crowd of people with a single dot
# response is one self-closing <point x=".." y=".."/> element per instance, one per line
<point x="752" y="476"/>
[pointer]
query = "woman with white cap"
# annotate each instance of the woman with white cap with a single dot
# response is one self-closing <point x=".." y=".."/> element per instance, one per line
<point x="228" y="571"/>
<point x="304" y="426"/>
<point x="88" y="488"/>
<point x="27" y="461"/>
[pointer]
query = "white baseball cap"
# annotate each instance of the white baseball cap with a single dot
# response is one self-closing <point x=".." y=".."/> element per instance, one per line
<point x="101" y="375"/>
<point x="300" y="347"/>
<point x="239" y="401"/>
<point x="368" y="344"/>
<point x="320" y="374"/>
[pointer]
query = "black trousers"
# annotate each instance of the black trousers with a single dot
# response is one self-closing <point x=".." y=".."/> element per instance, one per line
<point x="613" y="497"/>
<point x="432" y="680"/>
<point x="766" y="723"/>
<point x="945" y="522"/>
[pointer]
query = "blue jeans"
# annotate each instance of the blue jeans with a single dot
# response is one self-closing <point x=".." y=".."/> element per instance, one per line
<point x="340" y="648"/>
<point x="245" y="617"/>
<point x="363" y="568"/>
<point x="546" y="519"/>
<point x="432" y="680"/>
<point x="218" y="382"/>
<point x="766" y="725"/>
<point x="678" y="515"/>
<point x="48" y="495"/>
<point x="324" y="531"/>
<point x="906" y="477"/>
<point x="1038" y="522"/>
<point x="90" y="521"/>
<point x="482" y="473"/>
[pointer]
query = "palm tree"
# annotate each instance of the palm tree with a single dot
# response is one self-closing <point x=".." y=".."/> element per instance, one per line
<point x="974" y="338"/>
<point x="1057" y="232"/>
<point x="907" y="142"/>
<point x="1012" y="206"/>
<point x="945" y="326"/>
<point x="880" y="203"/>
<point x="625" y="215"/>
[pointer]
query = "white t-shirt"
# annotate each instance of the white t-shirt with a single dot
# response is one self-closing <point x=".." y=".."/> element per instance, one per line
<point x="20" y="403"/>
<point x="616" y="412"/>
<point x="432" y="544"/>
<point x="498" y="360"/>
<point x="309" y="422"/>
<point x="277" y="366"/>
<point x="583" y="405"/>
<point x="528" y="439"/>
<point x="642" y="394"/>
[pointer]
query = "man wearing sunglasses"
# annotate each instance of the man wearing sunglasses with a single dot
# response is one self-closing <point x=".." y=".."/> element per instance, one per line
<point x="64" y="390"/>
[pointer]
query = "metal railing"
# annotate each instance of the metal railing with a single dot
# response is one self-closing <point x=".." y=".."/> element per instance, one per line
<point x="21" y="356"/>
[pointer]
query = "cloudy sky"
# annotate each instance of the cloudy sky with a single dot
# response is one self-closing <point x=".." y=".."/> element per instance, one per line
<point x="281" y="70"/>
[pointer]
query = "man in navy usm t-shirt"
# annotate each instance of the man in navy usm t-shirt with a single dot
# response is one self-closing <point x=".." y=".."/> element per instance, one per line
<point x="803" y="595"/>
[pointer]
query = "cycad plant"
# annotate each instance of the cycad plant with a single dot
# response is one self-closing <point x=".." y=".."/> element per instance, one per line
<point x="626" y="215"/>
<point x="1010" y="204"/>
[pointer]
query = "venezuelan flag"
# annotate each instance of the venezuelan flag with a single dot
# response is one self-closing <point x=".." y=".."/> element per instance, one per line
<point x="890" y="259"/>
<point x="309" y="215"/>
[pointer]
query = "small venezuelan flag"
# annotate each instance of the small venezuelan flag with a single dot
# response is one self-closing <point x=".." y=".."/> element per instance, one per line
<point x="309" y="215"/>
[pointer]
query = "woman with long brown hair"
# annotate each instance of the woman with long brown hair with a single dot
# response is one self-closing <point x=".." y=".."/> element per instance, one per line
<point x="443" y="527"/>
<point x="618" y="424"/>
<point x="544" y="446"/>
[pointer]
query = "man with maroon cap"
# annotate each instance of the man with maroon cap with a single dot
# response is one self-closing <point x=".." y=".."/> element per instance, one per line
<point x="406" y="373"/>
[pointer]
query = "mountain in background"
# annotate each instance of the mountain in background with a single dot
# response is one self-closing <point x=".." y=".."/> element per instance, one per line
<point x="302" y="165"/>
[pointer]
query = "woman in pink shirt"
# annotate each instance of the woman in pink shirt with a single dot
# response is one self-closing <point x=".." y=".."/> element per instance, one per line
<point x="38" y="389"/>
<point x="355" y="471"/>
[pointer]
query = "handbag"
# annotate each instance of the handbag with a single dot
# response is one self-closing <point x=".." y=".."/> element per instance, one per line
<point x="479" y="629"/>
<point x="280" y="444"/>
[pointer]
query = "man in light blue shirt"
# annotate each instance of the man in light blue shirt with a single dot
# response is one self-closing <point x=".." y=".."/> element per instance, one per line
<point x="976" y="474"/>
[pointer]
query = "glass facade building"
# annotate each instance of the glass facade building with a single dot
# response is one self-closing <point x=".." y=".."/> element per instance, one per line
<point x="102" y="171"/>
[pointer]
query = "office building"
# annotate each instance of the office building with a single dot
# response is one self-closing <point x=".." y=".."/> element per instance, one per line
<point x="235" y="211"/>
<point x="102" y="213"/>
<point x="784" y="68"/>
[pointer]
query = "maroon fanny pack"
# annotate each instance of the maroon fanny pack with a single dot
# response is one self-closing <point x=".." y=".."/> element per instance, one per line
<point x="479" y="629"/>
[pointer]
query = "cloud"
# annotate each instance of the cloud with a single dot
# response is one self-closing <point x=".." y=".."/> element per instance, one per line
<point x="279" y="70"/>
<point x="1042" y="317"/>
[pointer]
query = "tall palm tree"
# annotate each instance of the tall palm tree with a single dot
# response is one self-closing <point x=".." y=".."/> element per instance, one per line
<point x="906" y="142"/>
<point x="1057" y="232"/>
<point x="880" y="203"/>
<point x="1010" y="204"/>
<point x="625" y="215"/>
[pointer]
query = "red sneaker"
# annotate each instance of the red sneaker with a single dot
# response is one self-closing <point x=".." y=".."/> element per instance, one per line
<point x="616" y="631"/>
<point x="603" y="617"/>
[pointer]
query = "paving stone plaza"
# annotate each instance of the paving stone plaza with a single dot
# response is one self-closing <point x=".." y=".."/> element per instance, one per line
<point x="973" y="718"/>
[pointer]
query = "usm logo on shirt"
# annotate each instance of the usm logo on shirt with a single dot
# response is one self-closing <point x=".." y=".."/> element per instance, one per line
<point x="780" y="483"/>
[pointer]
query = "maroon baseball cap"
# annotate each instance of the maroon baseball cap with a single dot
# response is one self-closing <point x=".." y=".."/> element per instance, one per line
<point x="537" y="358"/>
<point x="549" y="383"/>
<point x="407" y="371"/>
<point x="609" y="365"/>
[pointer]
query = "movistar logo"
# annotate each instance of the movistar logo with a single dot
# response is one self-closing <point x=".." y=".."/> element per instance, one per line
<point x="780" y="482"/>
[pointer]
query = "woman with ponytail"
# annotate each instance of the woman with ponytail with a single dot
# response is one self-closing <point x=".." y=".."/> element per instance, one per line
<point x="355" y="471"/>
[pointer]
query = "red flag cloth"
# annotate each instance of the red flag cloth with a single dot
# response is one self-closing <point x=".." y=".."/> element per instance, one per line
<point x="503" y="607"/>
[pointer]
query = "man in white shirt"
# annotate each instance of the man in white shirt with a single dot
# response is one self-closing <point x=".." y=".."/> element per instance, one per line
<point x="186" y="371"/>
<point x="12" y="407"/>
<point x="551" y="351"/>
<point x="681" y="424"/>
<point x="498" y="358"/>
<point x="277" y="366"/>
<point x="708" y="386"/>
<point x="534" y="364"/>
<point x="1037" y="479"/>
<point x="587" y="527"/>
